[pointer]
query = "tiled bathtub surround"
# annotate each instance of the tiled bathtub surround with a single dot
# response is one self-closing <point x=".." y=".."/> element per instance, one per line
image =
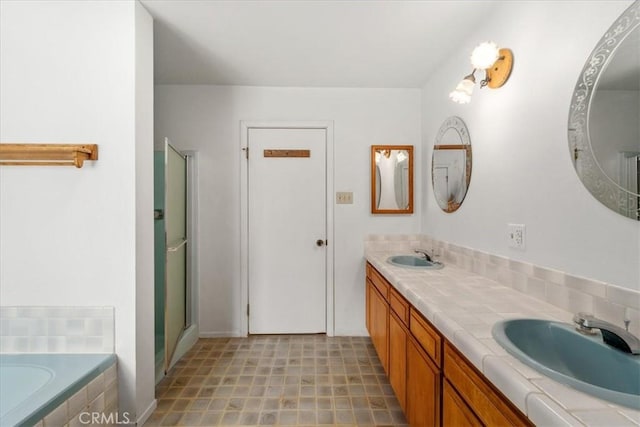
<point x="56" y="330"/>
<point x="98" y="399"/>
<point x="606" y="301"/>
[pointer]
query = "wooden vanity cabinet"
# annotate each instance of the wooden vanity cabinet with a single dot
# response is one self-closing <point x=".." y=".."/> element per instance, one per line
<point x="398" y="338"/>
<point x="414" y="376"/>
<point x="378" y="315"/>
<point x="481" y="397"/>
<point x="434" y="383"/>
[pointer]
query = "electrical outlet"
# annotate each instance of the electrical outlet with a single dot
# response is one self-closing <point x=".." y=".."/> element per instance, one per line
<point x="516" y="236"/>
<point x="344" y="198"/>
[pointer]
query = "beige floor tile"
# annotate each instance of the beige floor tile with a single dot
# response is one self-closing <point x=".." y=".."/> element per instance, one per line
<point x="290" y="380"/>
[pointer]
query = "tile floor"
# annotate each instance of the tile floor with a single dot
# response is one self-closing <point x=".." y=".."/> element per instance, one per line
<point x="293" y="380"/>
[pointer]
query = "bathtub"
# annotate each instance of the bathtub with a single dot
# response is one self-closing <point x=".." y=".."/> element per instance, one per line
<point x="35" y="386"/>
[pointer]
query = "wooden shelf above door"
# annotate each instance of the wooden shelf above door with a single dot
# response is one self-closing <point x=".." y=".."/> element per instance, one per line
<point x="47" y="154"/>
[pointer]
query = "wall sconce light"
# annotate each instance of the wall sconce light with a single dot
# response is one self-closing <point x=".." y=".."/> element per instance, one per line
<point x="495" y="62"/>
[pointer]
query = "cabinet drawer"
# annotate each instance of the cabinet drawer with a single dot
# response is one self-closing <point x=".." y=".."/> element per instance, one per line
<point x="378" y="281"/>
<point x="455" y="412"/>
<point x="399" y="305"/>
<point x="427" y="336"/>
<point x="488" y="403"/>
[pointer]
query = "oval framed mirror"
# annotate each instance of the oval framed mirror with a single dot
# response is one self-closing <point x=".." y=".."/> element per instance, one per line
<point x="451" y="164"/>
<point x="604" y="134"/>
<point x="391" y="179"/>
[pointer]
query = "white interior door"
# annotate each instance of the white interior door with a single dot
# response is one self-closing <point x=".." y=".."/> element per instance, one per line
<point x="287" y="228"/>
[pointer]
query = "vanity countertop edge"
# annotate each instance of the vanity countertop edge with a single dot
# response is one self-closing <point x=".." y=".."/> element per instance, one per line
<point x="464" y="307"/>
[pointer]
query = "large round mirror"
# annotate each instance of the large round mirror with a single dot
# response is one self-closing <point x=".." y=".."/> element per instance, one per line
<point x="604" y="119"/>
<point x="451" y="164"/>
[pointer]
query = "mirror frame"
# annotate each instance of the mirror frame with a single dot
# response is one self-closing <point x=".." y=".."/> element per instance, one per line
<point x="599" y="184"/>
<point x="457" y="124"/>
<point x="374" y="208"/>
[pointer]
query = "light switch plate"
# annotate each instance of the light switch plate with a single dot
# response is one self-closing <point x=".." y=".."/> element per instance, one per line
<point x="344" y="197"/>
<point x="516" y="236"/>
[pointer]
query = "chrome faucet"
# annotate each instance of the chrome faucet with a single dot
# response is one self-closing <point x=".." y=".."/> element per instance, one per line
<point x="612" y="335"/>
<point x="424" y="253"/>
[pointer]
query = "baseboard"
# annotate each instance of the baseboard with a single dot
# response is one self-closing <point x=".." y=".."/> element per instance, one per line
<point x="352" y="333"/>
<point x="218" y="334"/>
<point x="147" y="413"/>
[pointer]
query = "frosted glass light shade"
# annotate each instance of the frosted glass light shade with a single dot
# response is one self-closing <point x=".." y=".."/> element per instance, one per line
<point x="485" y="55"/>
<point x="462" y="93"/>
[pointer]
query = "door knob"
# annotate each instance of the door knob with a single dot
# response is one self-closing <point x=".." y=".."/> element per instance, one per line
<point x="319" y="242"/>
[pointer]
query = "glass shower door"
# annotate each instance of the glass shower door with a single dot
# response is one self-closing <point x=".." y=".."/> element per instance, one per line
<point x="176" y="244"/>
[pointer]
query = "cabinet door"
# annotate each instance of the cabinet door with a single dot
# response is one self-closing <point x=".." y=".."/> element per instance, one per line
<point x="379" y="325"/>
<point x="455" y="412"/>
<point x="367" y="292"/>
<point x="423" y="387"/>
<point x="398" y="359"/>
<point x="489" y="405"/>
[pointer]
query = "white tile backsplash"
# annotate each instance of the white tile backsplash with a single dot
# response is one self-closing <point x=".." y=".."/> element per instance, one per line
<point x="623" y="296"/>
<point x="56" y="329"/>
<point x="567" y="292"/>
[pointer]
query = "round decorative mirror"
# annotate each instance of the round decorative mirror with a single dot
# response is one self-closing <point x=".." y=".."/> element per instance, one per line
<point x="604" y="129"/>
<point x="451" y="164"/>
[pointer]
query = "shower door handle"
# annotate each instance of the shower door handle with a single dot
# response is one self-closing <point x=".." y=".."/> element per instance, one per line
<point x="321" y="242"/>
<point x="175" y="248"/>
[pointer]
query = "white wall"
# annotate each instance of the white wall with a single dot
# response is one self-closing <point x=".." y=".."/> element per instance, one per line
<point x="207" y="119"/>
<point x="522" y="170"/>
<point x="68" y="237"/>
<point x="145" y="342"/>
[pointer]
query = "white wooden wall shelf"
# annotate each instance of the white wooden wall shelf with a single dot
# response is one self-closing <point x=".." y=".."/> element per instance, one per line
<point x="47" y="154"/>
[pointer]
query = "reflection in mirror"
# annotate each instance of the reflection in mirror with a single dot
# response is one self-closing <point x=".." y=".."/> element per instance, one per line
<point x="392" y="179"/>
<point x="604" y="129"/>
<point x="451" y="164"/>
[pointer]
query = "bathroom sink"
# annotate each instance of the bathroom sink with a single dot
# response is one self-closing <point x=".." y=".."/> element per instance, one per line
<point x="411" y="261"/>
<point x="583" y="362"/>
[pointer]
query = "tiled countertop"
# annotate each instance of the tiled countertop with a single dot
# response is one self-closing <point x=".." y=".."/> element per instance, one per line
<point x="464" y="307"/>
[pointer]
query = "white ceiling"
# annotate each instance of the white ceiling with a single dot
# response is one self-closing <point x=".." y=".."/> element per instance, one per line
<point x="308" y="43"/>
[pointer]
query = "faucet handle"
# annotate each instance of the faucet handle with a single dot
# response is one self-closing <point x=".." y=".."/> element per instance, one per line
<point x="582" y="318"/>
<point x="584" y="323"/>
